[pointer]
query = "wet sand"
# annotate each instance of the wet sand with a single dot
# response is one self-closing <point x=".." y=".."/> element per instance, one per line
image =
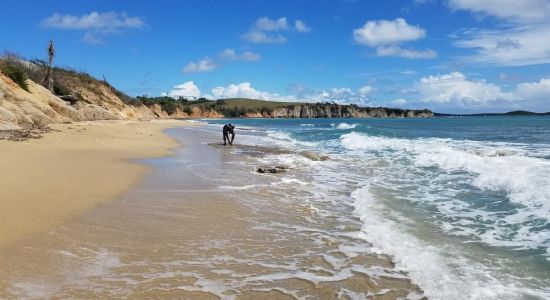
<point x="45" y="182"/>
<point x="203" y="225"/>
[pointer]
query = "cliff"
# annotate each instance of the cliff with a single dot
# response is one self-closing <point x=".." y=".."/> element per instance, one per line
<point x="329" y="110"/>
<point x="251" y="108"/>
<point x="25" y="104"/>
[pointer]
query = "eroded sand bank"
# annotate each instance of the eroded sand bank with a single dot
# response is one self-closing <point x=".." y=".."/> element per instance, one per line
<point x="46" y="181"/>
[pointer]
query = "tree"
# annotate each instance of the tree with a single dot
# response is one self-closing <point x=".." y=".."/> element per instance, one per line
<point x="49" y="79"/>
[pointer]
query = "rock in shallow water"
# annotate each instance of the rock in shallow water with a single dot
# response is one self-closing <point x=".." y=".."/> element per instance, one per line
<point x="275" y="170"/>
<point x="313" y="156"/>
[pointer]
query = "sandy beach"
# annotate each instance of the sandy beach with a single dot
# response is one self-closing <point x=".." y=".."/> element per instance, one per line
<point x="204" y="225"/>
<point x="47" y="181"/>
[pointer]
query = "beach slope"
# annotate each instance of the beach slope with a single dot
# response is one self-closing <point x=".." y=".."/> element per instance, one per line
<point x="46" y="181"/>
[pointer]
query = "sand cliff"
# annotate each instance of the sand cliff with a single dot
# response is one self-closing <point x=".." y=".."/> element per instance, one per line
<point x="21" y="109"/>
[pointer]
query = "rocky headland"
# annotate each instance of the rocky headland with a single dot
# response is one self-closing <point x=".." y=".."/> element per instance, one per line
<point x="26" y="103"/>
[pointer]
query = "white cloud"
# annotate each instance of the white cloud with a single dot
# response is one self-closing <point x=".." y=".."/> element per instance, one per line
<point x="399" y="102"/>
<point x="457" y="89"/>
<point x="207" y="64"/>
<point x="517" y="46"/>
<point x="518" y="40"/>
<point x="268" y="31"/>
<point x="386" y="35"/>
<point x="301" y="26"/>
<point x="204" y="65"/>
<point x="239" y="90"/>
<point x="243" y="90"/>
<point x="186" y="89"/>
<point x="267" y="24"/>
<point x="231" y="54"/>
<point x="523" y="11"/>
<point x="102" y="21"/>
<point x="385" y="32"/>
<point x="342" y="95"/>
<point x="92" y="39"/>
<point x="95" y="24"/>
<point x="406" y="53"/>
<point x="260" y="37"/>
<point x="535" y="92"/>
<point x="366" y="89"/>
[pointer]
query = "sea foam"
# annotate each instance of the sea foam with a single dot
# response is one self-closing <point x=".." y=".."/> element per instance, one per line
<point x="344" y="126"/>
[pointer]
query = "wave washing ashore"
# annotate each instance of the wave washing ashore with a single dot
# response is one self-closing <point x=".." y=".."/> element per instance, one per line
<point x="461" y="204"/>
<point x="443" y="208"/>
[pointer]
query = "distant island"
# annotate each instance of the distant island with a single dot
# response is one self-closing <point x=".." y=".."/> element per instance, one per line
<point x="510" y="113"/>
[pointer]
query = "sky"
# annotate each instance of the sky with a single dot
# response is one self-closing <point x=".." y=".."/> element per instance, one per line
<point x="452" y="56"/>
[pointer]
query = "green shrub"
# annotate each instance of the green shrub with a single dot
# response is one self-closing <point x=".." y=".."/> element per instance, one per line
<point x="188" y="110"/>
<point x="15" y="73"/>
<point x="169" y="107"/>
<point x="60" y="89"/>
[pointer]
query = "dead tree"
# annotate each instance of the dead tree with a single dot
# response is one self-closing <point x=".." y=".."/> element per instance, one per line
<point x="49" y="78"/>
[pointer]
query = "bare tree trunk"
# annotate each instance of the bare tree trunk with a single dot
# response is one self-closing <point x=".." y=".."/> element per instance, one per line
<point x="49" y="77"/>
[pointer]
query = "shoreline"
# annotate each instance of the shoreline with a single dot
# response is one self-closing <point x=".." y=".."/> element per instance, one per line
<point x="48" y="181"/>
<point x="205" y="225"/>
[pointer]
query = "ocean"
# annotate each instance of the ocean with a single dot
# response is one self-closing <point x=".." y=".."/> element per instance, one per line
<point x="461" y="204"/>
<point x="438" y="208"/>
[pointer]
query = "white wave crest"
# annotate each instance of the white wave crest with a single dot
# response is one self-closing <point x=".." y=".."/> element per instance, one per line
<point x="525" y="179"/>
<point x="433" y="268"/>
<point x="344" y="126"/>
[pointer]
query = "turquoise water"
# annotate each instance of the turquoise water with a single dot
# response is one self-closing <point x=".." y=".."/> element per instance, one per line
<point x="461" y="204"/>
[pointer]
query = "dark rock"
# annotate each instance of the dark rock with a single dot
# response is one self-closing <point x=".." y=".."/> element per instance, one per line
<point x="274" y="170"/>
<point x="313" y="156"/>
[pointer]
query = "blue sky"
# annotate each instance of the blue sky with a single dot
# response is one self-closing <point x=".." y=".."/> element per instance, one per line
<point x="446" y="55"/>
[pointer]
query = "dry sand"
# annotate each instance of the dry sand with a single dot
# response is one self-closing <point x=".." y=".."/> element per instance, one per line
<point x="47" y="181"/>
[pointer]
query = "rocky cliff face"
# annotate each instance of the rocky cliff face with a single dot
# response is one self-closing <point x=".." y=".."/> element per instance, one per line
<point x="342" y="111"/>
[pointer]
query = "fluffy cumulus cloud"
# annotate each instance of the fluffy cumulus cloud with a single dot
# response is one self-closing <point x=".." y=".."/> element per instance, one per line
<point x="96" y="25"/>
<point x="342" y="95"/>
<point x="242" y="90"/>
<point x="517" y="40"/>
<point x="535" y="91"/>
<point x="385" y="32"/>
<point x="387" y="35"/>
<point x="455" y="89"/>
<point x="187" y="90"/>
<point x="204" y="65"/>
<point x="270" y="31"/>
<point x="231" y="54"/>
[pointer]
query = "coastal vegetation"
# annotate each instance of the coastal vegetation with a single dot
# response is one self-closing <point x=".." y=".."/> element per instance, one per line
<point x="15" y="72"/>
